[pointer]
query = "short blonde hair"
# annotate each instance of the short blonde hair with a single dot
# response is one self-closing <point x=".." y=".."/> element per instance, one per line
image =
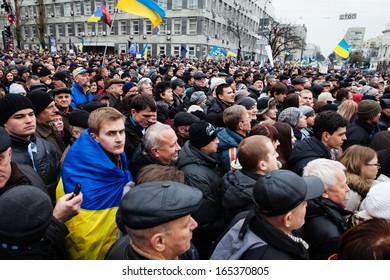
<point x="101" y="115"/>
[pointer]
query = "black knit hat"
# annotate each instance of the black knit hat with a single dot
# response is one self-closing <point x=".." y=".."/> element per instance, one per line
<point x="367" y="109"/>
<point x="44" y="72"/>
<point x="41" y="99"/>
<point x="201" y="134"/>
<point x="79" y="118"/>
<point x="184" y="118"/>
<point x="26" y="214"/>
<point x="10" y="104"/>
<point x="5" y="140"/>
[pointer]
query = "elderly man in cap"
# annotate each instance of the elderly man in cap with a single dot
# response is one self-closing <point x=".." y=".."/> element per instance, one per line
<point x="80" y="89"/>
<point x="157" y="217"/>
<point x="18" y="118"/>
<point x="298" y="85"/>
<point x="180" y="100"/>
<point x="267" y="232"/>
<point x="182" y="122"/>
<point x="46" y="111"/>
<point x="199" y="84"/>
<point x="114" y="90"/>
<point x="326" y="215"/>
<point x="362" y="130"/>
<point x="199" y="161"/>
<point x="62" y="99"/>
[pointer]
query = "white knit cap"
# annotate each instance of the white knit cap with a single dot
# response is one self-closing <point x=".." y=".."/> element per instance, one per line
<point x="17" y="88"/>
<point x="216" y="82"/>
<point x="377" y="201"/>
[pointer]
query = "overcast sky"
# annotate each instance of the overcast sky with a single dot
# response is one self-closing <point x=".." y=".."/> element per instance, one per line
<point x="321" y="18"/>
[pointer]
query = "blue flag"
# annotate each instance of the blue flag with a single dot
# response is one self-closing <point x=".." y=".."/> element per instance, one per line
<point x="133" y="49"/>
<point x="183" y="50"/>
<point x="215" y="51"/>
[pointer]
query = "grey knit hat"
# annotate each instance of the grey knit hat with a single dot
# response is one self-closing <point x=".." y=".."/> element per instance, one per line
<point x="367" y="109"/>
<point x="197" y="97"/>
<point x="290" y="115"/>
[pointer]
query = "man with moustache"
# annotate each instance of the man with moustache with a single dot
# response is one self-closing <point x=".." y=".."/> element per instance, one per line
<point x="80" y="89"/>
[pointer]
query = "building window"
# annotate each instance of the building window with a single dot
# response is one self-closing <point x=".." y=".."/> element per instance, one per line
<point x="176" y="23"/>
<point x="176" y="50"/>
<point x="148" y="26"/>
<point x="122" y="28"/>
<point x="50" y="30"/>
<point x="77" y="9"/>
<point x="100" y="27"/>
<point x="67" y="9"/>
<point x="191" y="51"/>
<point x="110" y="5"/>
<point x="33" y="31"/>
<point x="69" y="29"/>
<point x="79" y="28"/>
<point x="192" y="4"/>
<point x="163" y="4"/>
<point x="87" y="8"/>
<point x="60" y="32"/>
<point x="163" y="27"/>
<point x="25" y="31"/>
<point x="135" y="27"/>
<point x="176" y="4"/>
<point x="58" y="10"/>
<point x="49" y="10"/>
<point x="192" y="26"/>
<point x="161" y="50"/>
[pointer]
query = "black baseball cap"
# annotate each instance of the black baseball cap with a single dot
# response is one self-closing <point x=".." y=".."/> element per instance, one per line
<point x="280" y="191"/>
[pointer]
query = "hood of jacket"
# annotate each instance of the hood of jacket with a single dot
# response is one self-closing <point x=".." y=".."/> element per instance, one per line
<point x="227" y="138"/>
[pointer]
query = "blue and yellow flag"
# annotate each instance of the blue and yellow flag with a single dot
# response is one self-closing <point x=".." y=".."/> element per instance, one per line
<point x="102" y="14"/>
<point x="144" y="51"/>
<point x="343" y="49"/>
<point x="232" y="52"/>
<point x="143" y="8"/>
<point x="217" y="51"/>
<point x="40" y="48"/>
<point x="93" y="230"/>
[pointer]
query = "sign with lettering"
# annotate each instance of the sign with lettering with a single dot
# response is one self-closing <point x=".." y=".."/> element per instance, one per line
<point x="347" y="16"/>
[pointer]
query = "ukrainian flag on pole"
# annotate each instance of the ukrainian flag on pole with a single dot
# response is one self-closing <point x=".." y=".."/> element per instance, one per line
<point x="232" y="52"/>
<point x="144" y="51"/>
<point x="143" y="8"/>
<point x="343" y="49"/>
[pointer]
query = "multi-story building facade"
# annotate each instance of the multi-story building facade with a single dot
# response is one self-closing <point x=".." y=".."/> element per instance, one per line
<point x="355" y="37"/>
<point x="197" y="25"/>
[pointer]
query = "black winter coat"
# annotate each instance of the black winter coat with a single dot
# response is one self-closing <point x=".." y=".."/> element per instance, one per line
<point x="215" y="113"/>
<point x="359" y="133"/>
<point x="201" y="171"/>
<point x="307" y="150"/>
<point x="133" y="138"/>
<point x="324" y="224"/>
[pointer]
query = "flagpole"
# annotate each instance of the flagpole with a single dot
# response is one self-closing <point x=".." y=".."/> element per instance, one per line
<point x="109" y="34"/>
<point x="105" y="48"/>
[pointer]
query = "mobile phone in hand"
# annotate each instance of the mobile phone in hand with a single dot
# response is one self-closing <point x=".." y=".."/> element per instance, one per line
<point x="77" y="189"/>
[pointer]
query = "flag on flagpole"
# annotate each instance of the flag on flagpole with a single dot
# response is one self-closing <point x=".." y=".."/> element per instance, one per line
<point x="81" y="46"/>
<point x="343" y="49"/>
<point x="183" y="50"/>
<point x="232" y="52"/>
<point x="102" y="14"/>
<point x="287" y="52"/>
<point x="143" y="8"/>
<point x="40" y="48"/>
<point x="144" y="51"/>
<point x="133" y="49"/>
<point x="217" y="51"/>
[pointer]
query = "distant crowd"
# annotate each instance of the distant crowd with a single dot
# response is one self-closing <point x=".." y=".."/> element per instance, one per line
<point x="170" y="158"/>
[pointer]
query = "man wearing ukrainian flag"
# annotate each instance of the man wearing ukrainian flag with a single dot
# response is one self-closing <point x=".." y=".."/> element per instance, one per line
<point x="98" y="163"/>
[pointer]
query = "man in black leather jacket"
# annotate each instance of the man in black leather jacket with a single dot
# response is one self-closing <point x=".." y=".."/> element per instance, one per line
<point x="325" y="219"/>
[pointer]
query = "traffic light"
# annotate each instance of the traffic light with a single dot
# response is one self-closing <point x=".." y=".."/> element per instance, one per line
<point x="7" y="31"/>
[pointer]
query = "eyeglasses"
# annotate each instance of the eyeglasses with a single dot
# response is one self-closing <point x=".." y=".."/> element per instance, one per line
<point x="374" y="164"/>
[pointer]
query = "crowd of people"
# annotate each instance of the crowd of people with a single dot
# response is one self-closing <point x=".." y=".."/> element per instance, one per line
<point x="169" y="158"/>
